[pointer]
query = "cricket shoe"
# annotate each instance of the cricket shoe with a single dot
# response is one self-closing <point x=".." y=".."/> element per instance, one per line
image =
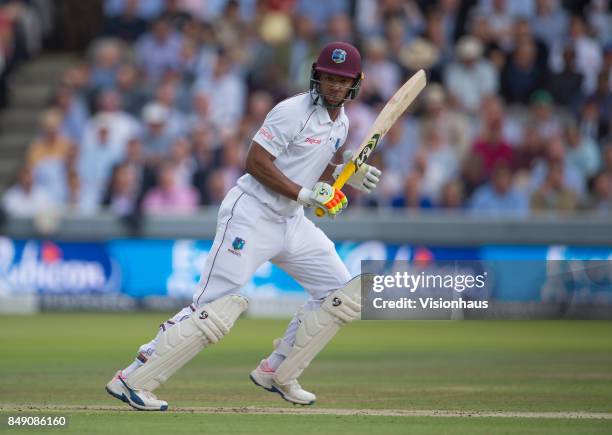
<point x="263" y="376"/>
<point x="140" y="399"/>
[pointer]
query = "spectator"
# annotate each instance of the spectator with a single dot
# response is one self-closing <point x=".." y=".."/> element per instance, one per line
<point x="521" y="76"/>
<point x="158" y="51"/>
<point x="108" y="55"/>
<point x="24" y="198"/>
<point x="121" y="126"/>
<point x="472" y="77"/>
<point x="438" y="162"/>
<point x="546" y="123"/>
<point x="411" y="196"/>
<point x="498" y="197"/>
<point x="226" y="94"/>
<point x="550" y="21"/>
<point x="99" y="153"/>
<point x="490" y="146"/>
<point x="582" y="152"/>
<point x="47" y="156"/>
<point x="143" y="174"/>
<point x="123" y="193"/>
<point x="50" y="144"/>
<point x="169" y="197"/>
<point x="452" y="125"/>
<point x="384" y="75"/>
<point x="565" y="86"/>
<point x="128" y="85"/>
<point x="74" y="113"/>
<point x="185" y="164"/>
<point x="398" y="147"/>
<point x="600" y="199"/>
<point x="556" y="156"/>
<point x="553" y="195"/>
<point x="589" y="59"/>
<point x="127" y="25"/>
<point x="157" y="137"/>
<point x="452" y="196"/>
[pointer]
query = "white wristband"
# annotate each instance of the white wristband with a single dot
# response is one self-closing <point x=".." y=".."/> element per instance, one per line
<point x="304" y="197"/>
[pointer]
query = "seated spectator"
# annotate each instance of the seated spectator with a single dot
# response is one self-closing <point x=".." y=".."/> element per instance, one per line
<point x="158" y="50"/>
<point x="169" y="197"/>
<point x="74" y="111"/>
<point x="491" y="147"/>
<point x="133" y="95"/>
<point x="127" y="25"/>
<point x="521" y="75"/>
<point x="182" y="156"/>
<point x="565" y="86"/>
<point x="120" y="125"/>
<point x="556" y="155"/>
<point x="50" y="144"/>
<point x="398" y="147"/>
<point x="498" y="197"/>
<point x="98" y="155"/>
<point x="582" y="152"/>
<point x="107" y="57"/>
<point x="78" y="202"/>
<point x="472" y="77"/>
<point x="226" y="94"/>
<point x="542" y="114"/>
<point x="600" y="199"/>
<point x="47" y="156"/>
<point x="438" y="162"/>
<point x="24" y="198"/>
<point x="553" y="194"/>
<point x="529" y="151"/>
<point x="411" y="196"/>
<point x="144" y="174"/>
<point x="452" y="196"/>
<point x="384" y="75"/>
<point x="123" y="193"/>
<point x="157" y="138"/>
<point x="214" y="187"/>
<point x="453" y="125"/>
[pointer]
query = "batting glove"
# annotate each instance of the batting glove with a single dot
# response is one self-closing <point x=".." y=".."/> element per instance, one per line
<point x="365" y="179"/>
<point x="331" y="200"/>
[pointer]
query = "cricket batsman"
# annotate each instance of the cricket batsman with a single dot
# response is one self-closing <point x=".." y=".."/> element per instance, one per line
<point x="262" y="219"/>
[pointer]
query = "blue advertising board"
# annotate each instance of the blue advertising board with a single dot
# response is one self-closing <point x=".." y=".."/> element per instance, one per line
<point x="140" y="268"/>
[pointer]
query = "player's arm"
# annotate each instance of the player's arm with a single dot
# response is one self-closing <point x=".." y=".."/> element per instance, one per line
<point x="260" y="164"/>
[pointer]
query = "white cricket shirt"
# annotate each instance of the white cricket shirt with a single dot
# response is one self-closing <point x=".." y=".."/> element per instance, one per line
<point x="303" y="138"/>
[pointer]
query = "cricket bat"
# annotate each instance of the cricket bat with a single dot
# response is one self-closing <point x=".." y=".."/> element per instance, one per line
<point x="397" y="105"/>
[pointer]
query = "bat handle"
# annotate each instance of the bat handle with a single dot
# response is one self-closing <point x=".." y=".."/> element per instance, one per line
<point x="319" y="212"/>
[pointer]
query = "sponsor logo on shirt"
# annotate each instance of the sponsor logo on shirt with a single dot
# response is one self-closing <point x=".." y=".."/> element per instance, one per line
<point x="266" y="133"/>
<point x="313" y="140"/>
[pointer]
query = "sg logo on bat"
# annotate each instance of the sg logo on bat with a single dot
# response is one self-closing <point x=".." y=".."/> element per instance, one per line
<point x="367" y="150"/>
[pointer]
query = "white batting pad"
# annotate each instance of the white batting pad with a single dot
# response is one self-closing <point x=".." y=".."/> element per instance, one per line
<point x="183" y="341"/>
<point x="318" y="327"/>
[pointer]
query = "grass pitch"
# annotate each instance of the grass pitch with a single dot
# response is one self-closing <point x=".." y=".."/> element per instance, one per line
<point x="59" y="363"/>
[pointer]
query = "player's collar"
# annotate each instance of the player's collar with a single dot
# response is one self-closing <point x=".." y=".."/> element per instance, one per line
<point x="323" y="115"/>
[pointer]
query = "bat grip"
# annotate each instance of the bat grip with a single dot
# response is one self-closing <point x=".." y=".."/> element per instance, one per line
<point x="339" y="184"/>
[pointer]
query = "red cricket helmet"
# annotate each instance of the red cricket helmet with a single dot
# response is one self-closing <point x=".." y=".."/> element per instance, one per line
<point x="338" y="58"/>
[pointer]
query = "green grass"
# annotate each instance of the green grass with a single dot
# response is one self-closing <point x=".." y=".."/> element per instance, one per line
<point x="66" y="359"/>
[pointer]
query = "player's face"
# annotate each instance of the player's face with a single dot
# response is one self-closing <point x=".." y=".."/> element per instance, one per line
<point x="335" y="88"/>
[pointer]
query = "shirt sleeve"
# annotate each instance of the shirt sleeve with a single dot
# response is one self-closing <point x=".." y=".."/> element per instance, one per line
<point x="277" y="130"/>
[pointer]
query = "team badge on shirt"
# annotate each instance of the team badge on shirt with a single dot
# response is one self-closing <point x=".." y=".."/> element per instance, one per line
<point x="338" y="55"/>
<point x="237" y="244"/>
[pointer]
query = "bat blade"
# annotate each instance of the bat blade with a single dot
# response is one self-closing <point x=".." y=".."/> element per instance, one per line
<point x="396" y="106"/>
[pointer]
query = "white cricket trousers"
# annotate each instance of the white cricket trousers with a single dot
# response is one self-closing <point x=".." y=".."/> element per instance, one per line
<point x="249" y="234"/>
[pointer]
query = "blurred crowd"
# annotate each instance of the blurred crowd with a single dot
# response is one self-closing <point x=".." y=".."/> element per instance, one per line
<point x="516" y="118"/>
<point x="23" y="26"/>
